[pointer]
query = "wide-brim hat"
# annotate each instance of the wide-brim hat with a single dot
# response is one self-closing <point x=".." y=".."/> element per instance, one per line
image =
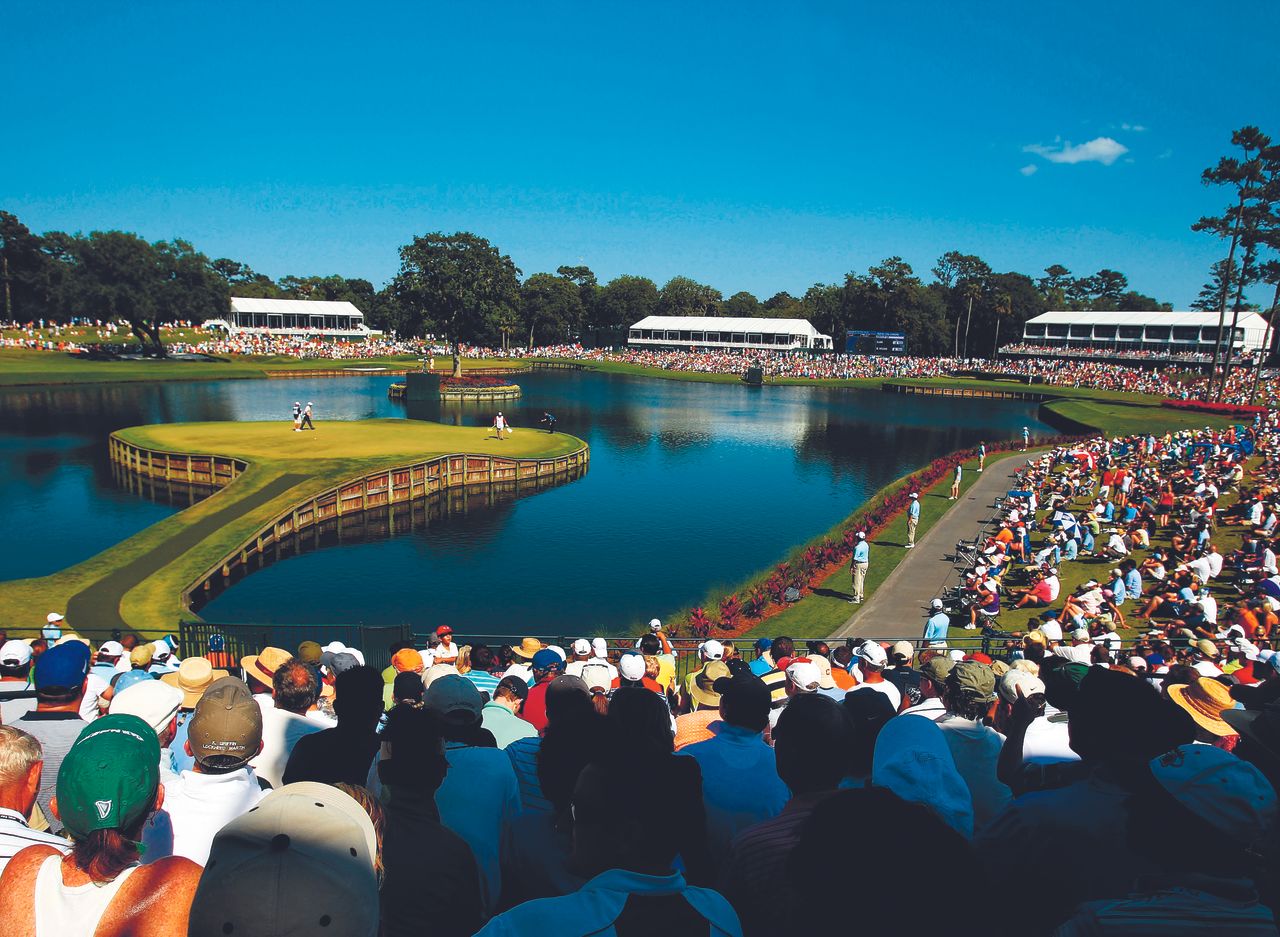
<point x="702" y="683"/>
<point x="527" y="648"/>
<point x="262" y="667"/>
<point x="193" y="677"/>
<point x="1205" y="700"/>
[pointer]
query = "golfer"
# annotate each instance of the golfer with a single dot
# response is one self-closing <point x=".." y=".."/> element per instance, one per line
<point x="297" y="416"/>
<point x="861" y="560"/>
<point x="550" y="419"/>
<point x="500" y="424"/>
<point x="913" y="519"/>
<point x="955" y="482"/>
<point x="1026" y="438"/>
<point x="982" y="456"/>
<point x="306" y="417"/>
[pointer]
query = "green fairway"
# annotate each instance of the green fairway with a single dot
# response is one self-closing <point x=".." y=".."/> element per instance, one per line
<point x="137" y="583"/>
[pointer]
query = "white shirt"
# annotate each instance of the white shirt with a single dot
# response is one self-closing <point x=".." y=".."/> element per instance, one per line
<point x="885" y="687"/>
<point x="196" y="806"/>
<point x="976" y="749"/>
<point x="1047" y="740"/>
<point x="94" y="686"/>
<point x="15" y="835"/>
<point x="931" y="708"/>
<point x="281" y="730"/>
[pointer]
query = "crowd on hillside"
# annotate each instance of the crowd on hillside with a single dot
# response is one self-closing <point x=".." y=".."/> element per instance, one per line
<point x="530" y="789"/>
<point x="1136" y="354"/>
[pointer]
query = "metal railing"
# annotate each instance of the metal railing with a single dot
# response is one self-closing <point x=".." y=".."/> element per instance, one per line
<point x="373" y="641"/>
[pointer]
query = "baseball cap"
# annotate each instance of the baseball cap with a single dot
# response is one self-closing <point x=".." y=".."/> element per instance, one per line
<point x="631" y="666"/>
<point x="300" y="862"/>
<point x="655" y="624"/>
<point x="454" y="699"/>
<point x="914" y="495"/>
<point x="108" y="779"/>
<point x="226" y="727"/>
<point x="407" y="659"/>
<point x="53" y="618"/>
<point x="936" y="668"/>
<point x="1017" y="683"/>
<point x="804" y="676"/>
<point x="141" y="655"/>
<point x="443" y="630"/>
<point x="107" y="649"/>
<point x="130" y="678"/>
<point x="596" y="676"/>
<point x="1080" y="634"/>
<point x="861" y="535"/>
<point x="152" y="701"/>
<point x="581" y="647"/>
<point x="936" y="605"/>
<point x="339" y="662"/>
<point x="63" y="666"/>
<point x="973" y="679"/>
<point x="713" y="650"/>
<point x="599" y="647"/>
<point x="309" y="652"/>
<point x="872" y="653"/>
<point x="904" y="650"/>
<point x="1137" y="663"/>
<point x="160" y="650"/>
<point x="545" y="659"/>
<point x="15" y="654"/>
<point x="1223" y="789"/>
<point x="763" y="644"/>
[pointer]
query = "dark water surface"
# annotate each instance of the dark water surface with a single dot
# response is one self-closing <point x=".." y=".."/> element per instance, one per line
<point x="690" y="486"/>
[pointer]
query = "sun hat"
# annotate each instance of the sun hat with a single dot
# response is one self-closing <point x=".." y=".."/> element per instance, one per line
<point x="804" y="676"/>
<point x="581" y="647"/>
<point x="527" y="648"/>
<point x="152" y="701"/>
<point x="225" y="730"/>
<point x="142" y="655"/>
<point x="1207" y="647"/>
<point x="872" y="653"/>
<point x="912" y="759"/>
<point x="108" y="649"/>
<point x="712" y="650"/>
<point x="334" y="647"/>
<point x="15" y="654"/>
<point x="310" y="652"/>
<point x="701" y="683"/>
<point x="262" y="667"/>
<point x="597" y="676"/>
<point x="454" y="699"/>
<point x="193" y="677"/>
<point x="1222" y="789"/>
<point x="108" y="778"/>
<point x="1017" y="683"/>
<point x="631" y="666"/>
<point x="302" y="861"/>
<point x="973" y="680"/>
<point x="1205" y="700"/>
<point x="63" y="666"/>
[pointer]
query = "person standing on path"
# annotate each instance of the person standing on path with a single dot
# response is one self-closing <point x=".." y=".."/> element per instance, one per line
<point x="913" y="519"/>
<point x="982" y="456"/>
<point x="861" y="560"/>
<point x="297" y="416"/>
<point x="1026" y="438"/>
<point x="955" y="482"/>
<point x="499" y="424"/>
<point x="306" y="417"/>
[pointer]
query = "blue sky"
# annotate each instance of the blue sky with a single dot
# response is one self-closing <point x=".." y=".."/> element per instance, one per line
<point x="750" y="146"/>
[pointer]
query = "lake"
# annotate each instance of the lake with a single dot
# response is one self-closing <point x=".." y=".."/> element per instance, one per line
<point x="691" y="486"/>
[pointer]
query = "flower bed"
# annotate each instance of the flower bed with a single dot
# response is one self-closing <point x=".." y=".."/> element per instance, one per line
<point x="473" y="381"/>
<point x="814" y="564"/>
<point x="1220" y="409"/>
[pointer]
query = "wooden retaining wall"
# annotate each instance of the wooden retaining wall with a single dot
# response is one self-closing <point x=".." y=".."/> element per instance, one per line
<point x="978" y="392"/>
<point x="339" y="372"/>
<point x="376" y="490"/>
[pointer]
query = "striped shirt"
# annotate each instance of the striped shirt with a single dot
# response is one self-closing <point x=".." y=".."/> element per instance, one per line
<point x="15" y="835"/>
<point x="485" y="682"/>
<point x="524" y="759"/>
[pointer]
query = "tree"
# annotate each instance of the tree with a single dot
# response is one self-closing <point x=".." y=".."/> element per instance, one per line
<point x="1243" y="175"/>
<point x="742" y="305"/>
<point x="1133" y="301"/>
<point x="1055" y="285"/>
<point x="1002" y="306"/>
<point x="120" y="276"/>
<point x="551" y="306"/>
<point x="588" y="289"/>
<point x="824" y="305"/>
<point x="1106" y="288"/>
<point x="622" y="302"/>
<point x="459" y="285"/>
<point x="682" y="296"/>
<point x="27" y="271"/>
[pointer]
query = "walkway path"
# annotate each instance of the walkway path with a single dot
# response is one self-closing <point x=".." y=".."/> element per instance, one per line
<point x="897" y="608"/>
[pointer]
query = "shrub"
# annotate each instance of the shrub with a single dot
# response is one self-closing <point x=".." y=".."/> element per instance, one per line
<point x="1221" y="409"/>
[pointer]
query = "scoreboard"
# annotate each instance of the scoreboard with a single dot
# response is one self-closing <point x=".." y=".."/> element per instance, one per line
<point x="875" y="343"/>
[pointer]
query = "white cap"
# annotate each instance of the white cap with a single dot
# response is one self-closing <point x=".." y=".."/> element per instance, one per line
<point x="713" y="650"/>
<point x="1080" y="634"/>
<point x="936" y="604"/>
<point x="334" y="647"/>
<point x="435" y="672"/>
<point x="596" y="676"/>
<point x="161" y="650"/>
<point x="557" y="649"/>
<point x="655" y="624"/>
<point x="519" y="670"/>
<point x="153" y="701"/>
<point x="111" y="649"/>
<point x="599" y="647"/>
<point x="861" y="535"/>
<point x="1017" y="683"/>
<point x="804" y="676"/>
<point x="15" y="653"/>
<point x="1137" y="663"/>
<point x="301" y="861"/>
<point x="631" y="666"/>
<point x="956" y="655"/>
<point x="914" y="495"/>
<point x="873" y="653"/>
<point x="581" y="647"/>
<point x="54" y="618"/>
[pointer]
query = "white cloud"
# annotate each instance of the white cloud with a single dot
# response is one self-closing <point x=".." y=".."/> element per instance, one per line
<point x="1102" y="150"/>
<point x="1029" y="169"/>
<point x="1135" y="128"/>
<point x="1165" y="154"/>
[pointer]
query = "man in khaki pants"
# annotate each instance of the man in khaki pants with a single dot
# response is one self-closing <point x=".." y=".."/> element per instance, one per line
<point x="913" y="519"/>
<point x="861" y="560"/>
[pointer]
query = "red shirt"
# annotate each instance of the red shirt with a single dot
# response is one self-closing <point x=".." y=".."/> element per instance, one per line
<point x="534" y="711"/>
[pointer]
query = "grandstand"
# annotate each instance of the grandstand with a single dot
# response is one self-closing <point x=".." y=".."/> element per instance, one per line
<point x="727" y="333"/>
<point x="1158" y="336"/>
<point x="316" y="318"/>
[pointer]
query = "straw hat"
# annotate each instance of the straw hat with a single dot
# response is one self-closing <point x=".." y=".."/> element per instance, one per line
<point x="702" y="682"/>
<point x="193" y="677"/>
<point x="262" y="667"/>
<point x="1205" y="700"/>
<point x="527" y="648"/>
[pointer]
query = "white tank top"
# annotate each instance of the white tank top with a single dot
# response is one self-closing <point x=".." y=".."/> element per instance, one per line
<point x="71" y="912"/>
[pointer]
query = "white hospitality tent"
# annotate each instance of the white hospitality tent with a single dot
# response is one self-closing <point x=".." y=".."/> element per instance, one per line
<point x="727" y="332"/>
<point x="326" y="318"/>
<point x="1172" y="332"/>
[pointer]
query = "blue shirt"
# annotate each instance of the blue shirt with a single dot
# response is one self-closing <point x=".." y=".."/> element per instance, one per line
<point x="1133" y="583"/>
<point x="935" y="629"/>
<point x="760" y="666"/>
<point x="914" y="511"/>
<point x="861" y="552"/>
<point x="485" y="682"/>
<point x="1117" y="587"/>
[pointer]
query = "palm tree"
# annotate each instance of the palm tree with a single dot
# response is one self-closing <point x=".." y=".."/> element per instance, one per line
<point x="1002" y="306"/>
<point x="971" y="290"/>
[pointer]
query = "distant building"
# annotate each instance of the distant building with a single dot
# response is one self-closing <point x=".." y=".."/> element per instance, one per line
<point x="303" y="317"/>
<point x="729" y="333"/>
<point x="1158" y="334"/>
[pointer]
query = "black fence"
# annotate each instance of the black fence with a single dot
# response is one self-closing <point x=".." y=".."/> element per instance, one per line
<point x="373" y="641"/>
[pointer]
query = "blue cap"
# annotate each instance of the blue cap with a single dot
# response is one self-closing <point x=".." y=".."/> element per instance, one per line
<point x="130" y="677"/>
<point x="763" y="644"/>
<point x="217" y="642"/>
<point x="63" y="666"/>
<point x="1051" y="615"/>
<point x="545" y="659"/>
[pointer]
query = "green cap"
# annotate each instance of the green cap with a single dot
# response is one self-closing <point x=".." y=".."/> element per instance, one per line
<point x="974" y="679"/>
<point x="108" y="779"/>
<point x="937" y="668"/>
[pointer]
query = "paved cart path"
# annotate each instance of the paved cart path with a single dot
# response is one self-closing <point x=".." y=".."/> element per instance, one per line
<point x="897" y="608"/>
